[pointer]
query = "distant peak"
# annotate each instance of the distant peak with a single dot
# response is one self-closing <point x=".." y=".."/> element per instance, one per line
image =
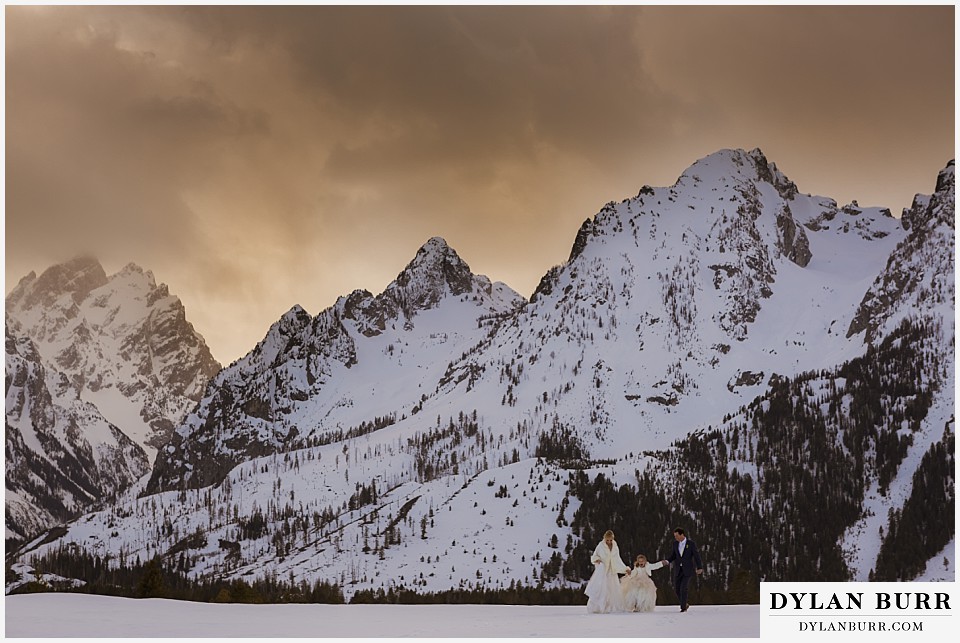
<point x="725" y="155"/>
<point x="132" y="268"/>
<point x="752" y="165"/>
<point x="79" y="264"/>
<point x="928" y="209"/>
<point x="434" y="253"/>
<point x="22" y="285"/>
<point x="435" y="249"/>
<point x="733" y="159"/>
<point x="720" y="164"/>
<point x="133" y="272"/>
<point x="435" y="270"/>
<point x="291" y="322"/>
<point x="435" y="242"/>
<point x="757" y="155"/>
<point x="78" y="276"/>
<point x="946" y="178"/>
<point x="296" y="312"/>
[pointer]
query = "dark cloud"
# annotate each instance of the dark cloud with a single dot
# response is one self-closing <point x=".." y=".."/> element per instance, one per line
<point x="257" y="157"/>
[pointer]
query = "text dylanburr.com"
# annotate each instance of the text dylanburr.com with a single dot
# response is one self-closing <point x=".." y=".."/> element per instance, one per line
<point x="844" y="610"/>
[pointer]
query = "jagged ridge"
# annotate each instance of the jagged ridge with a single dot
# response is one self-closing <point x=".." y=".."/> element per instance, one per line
<point x="676" y="309"/>
<point x="278" y="396"/>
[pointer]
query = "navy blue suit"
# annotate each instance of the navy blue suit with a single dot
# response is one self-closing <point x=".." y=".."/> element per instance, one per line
<point x="684" y="568"/>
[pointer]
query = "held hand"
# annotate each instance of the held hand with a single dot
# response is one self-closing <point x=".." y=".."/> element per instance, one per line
<point x="699" y="572"/>
<point x="664" y="562"/>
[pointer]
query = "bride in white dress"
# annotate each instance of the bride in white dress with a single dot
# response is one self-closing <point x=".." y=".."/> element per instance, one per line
<point x="603" y="589"/>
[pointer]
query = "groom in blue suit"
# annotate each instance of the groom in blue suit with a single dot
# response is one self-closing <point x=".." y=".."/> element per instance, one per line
<point x="688" y="564"/>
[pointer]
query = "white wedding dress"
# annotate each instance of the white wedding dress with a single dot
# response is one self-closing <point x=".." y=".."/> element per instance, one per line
<point x="603" y="589"/>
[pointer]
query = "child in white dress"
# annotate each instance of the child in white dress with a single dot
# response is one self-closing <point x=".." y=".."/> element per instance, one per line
<point x="639" y="590"/>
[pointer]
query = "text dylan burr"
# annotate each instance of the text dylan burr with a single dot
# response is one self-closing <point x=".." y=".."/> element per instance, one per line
<point x="855" y="601"/>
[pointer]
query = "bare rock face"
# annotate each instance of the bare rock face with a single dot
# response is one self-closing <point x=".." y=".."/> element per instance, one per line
<point x="793" y="240"/>
<point x="919" y="274"/>
<point x="436" y="270"/>
<point x="768" y="172"/>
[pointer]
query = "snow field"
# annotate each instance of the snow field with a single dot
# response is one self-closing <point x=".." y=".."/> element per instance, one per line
<point x="79" y="615"/>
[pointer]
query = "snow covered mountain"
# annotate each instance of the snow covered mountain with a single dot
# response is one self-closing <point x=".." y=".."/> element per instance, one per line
<point x="358" y="366"/>
<point x="849" y="466"/>
<point x="99" y="372"/>
<point x="678" y="305"/>
<point x="445" y="434"/>
<point x="62" y="454"/>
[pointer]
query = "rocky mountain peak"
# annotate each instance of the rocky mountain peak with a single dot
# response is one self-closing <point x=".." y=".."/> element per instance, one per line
<point x="587" y="229"/>
<point x="435" y="271"/>
<point x="134" y="272"/>
<point x="77" y="277"/>
<point x="438" y="257"/>
<point x="18" y="291"/>
<point x="737" y="163"/>
<point x="945" y="180"/>
<point x="291" y="324"/>
<point x="919" y="275"/>
<point x="936" y="208"/>
<point x="123" y="342"/>
<point x="768" y="171"/>
<point x="294" y="318"/>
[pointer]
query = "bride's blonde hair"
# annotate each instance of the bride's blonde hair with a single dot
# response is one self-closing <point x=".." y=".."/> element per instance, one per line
<point x="609" y="533"/>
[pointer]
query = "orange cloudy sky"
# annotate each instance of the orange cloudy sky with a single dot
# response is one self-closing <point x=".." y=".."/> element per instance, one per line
<point x="256" y="158"/>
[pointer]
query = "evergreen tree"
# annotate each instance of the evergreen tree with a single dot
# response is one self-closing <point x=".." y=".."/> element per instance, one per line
<point x="151" y="583"/>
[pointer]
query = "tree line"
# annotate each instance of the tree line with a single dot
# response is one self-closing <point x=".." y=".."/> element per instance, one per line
<point x="160" y="578"/>
<point x="770" y="494"/>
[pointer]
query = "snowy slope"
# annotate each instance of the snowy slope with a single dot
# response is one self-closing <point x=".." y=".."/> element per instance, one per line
<point x="918" y="282"/>
<point x="104" y="616"/>
<point x="392" y="439"/>
<point x="942" y="567"/>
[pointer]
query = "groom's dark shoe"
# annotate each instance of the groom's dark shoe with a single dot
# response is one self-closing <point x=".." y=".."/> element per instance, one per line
<point x="684" y="608"/>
